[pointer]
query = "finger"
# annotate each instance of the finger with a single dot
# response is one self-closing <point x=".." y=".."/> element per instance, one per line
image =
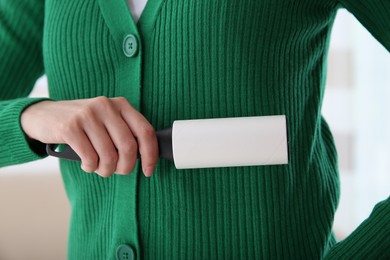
<point x="148" y="147"/>
<point x="145" y="135"/>
<point x="81" y="144"/>
<point x="125" y="143"/>
<point x="104" y="147"/>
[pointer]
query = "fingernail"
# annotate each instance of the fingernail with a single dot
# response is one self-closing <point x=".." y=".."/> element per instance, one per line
<point x="148" y="171"/>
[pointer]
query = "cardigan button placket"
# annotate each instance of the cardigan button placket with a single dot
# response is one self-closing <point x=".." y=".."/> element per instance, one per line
<point x="129" y="39"/>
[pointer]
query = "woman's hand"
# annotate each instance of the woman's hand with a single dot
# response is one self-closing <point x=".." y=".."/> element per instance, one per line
<point x="105" y="132"/>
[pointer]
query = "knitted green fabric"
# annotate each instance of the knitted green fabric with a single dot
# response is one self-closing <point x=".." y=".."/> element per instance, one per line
<point x="195" y="59"/>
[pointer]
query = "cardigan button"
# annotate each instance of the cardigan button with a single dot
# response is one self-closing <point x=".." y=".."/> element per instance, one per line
<point x="125" y="252"/>
<point x="130" y="45"/>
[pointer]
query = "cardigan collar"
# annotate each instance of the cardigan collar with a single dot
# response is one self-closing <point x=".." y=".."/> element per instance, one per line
<point x="119" y="20"/>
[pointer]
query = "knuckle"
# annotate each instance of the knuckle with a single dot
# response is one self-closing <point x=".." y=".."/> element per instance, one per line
<point x="63" y="128"/>
<point x="102" y="101"/>
<point x="121" y="100"/>
<point x="86" y="113"/>
<point x="125" y="169"/>
<point x="68" y="128"/>
<point x="104" y="174"/>
<point x="150" y="156"/>
<point x="129" y="148"/>
<point x="147" y="131"/>
<point x="122" y="104"/>
<point x="112" y="157"/>
<point x="90" y="162"/>
<point x="108" y="161"/>
<point x="128" y="156"/>
<point x="88" y="168"/>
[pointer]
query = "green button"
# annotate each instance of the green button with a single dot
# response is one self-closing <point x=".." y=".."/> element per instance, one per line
<point x="130" y="45"/>
<point x="125" y="252"/>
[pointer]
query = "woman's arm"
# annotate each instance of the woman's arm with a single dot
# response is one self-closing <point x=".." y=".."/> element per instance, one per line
<point x="106" y="133"/>
<point x="21" y="63"/>
<point x="374" y="15"/>
<point x="371" y="240"/>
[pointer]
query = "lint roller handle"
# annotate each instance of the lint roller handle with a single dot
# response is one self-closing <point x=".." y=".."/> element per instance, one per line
<point x="164" y="138"/>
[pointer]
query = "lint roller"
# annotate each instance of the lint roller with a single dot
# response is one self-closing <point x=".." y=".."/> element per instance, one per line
<point x="220" y="142"/>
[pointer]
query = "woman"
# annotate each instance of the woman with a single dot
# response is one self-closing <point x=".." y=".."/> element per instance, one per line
<point x="112" y="81"/>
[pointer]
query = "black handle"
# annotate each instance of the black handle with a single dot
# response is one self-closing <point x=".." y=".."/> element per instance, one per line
<point x="164" y="138"/>
<point x="67" y="153"/>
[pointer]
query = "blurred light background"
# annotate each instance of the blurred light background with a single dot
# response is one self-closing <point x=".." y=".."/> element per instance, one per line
<point x="35" y="212"/>
<point x="357" y="108"/>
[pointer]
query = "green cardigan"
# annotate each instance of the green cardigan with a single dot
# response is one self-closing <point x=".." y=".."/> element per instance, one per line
<point x="188" y="59"/>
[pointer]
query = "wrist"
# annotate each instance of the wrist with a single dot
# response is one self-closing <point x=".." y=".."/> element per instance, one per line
<point x="29" y="119"/>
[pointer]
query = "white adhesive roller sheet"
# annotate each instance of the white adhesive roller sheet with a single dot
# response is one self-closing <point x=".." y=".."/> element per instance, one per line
<point x="227" y="142"/>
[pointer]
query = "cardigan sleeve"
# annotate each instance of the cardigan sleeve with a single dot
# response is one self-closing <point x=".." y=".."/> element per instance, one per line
<point x="21" y="63"/>
<point x="371" y="240"/>
<point x="373" y="15"/>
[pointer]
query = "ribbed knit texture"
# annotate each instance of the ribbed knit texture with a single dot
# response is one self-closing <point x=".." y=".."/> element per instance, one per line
<point x="20" y="64"/>
<point x="201" y="59"/>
